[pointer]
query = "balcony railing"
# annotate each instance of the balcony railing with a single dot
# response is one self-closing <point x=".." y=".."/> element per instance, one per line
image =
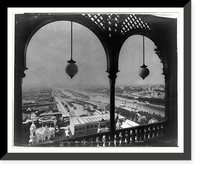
<point x="135" y="136"/>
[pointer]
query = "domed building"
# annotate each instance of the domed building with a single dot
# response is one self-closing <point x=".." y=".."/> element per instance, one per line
<point x="41" y="134"/>
<point x="153" y="120"/>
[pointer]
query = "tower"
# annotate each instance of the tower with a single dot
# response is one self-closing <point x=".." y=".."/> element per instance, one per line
<point x="32" y="135"/>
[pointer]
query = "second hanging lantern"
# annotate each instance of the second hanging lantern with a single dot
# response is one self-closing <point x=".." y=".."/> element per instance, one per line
<point x="71" y="68"/>
<point x="144" y="71"/>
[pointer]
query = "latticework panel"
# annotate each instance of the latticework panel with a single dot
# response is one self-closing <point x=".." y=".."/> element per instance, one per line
<point x="108" y="23"/>
<point x="97" y="19"/>
<point x="112" y="23"/>
<point x="133" y="22"/>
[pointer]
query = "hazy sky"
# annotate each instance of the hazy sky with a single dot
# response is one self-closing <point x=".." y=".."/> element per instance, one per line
<point x="49" y="51"/>
<point x="131" y="58"/>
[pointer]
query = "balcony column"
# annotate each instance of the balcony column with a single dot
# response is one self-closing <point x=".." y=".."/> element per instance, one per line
<point x="171" y="89"/>
<point x="18" y="110"/>
<point x="113" y="69"/>
<point x="112" y="106"/>
<point x="17" y="114"/>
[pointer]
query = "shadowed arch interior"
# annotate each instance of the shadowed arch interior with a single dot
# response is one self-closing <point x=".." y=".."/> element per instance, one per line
<point x="49" y="50"/>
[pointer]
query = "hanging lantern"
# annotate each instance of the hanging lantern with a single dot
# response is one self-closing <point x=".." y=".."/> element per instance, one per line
<point x="71" y="69"/>
<point x="144" y="71"/>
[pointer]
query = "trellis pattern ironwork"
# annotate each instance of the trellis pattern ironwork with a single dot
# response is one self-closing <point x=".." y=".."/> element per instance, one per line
<point x="133" y="22"/>
<point x="97" y="19"/>
<point x="115" y="23"/>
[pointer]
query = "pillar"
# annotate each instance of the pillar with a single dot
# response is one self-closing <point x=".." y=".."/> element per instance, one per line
<point x="112" y="105"/>
<point x="18" y="112"/>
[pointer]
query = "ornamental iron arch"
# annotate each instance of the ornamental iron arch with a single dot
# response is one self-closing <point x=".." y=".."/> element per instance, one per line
<point x="111" y="30"/>
<point x="39" y="20"/>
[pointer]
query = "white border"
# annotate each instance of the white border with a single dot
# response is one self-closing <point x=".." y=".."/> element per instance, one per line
<point x="171" y="12"/>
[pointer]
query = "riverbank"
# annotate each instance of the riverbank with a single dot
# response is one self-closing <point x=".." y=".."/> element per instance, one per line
<point x="136" y="101"/>
<point x="97" y="98"/>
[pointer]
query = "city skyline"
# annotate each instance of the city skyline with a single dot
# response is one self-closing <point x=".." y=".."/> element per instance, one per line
<point x="88" y="86"/>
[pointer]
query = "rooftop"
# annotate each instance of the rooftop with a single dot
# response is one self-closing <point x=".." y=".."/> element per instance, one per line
<point x="131" y="123"/>
<point x="90" y="119"/>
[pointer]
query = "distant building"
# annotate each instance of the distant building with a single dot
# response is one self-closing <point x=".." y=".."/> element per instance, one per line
<point x="128" y="123"/>
<point x="77" y="126"/>
<point x="153" y="120"/>
<point x="88" y="125"/>
<point x="41" y="134"/>
<point x="33" y="116"/>
<point x="24" y="102"/>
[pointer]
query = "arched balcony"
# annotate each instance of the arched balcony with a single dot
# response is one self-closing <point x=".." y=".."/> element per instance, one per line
<point x="112" y="30"/>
